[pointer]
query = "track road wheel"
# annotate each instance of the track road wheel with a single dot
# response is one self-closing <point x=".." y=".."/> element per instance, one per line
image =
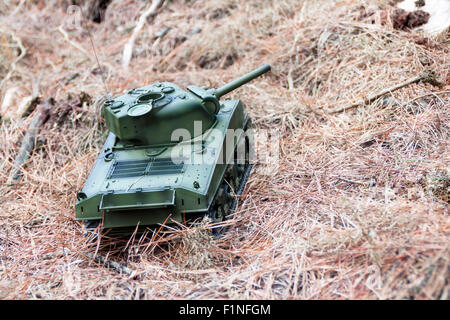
<point x="221" y="210"/>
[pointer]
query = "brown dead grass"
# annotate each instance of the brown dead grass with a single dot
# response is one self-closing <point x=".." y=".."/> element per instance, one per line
<point x="358" y="208"/>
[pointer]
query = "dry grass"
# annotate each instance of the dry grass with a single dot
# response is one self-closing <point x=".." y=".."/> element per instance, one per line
<point x="358" y="208"/>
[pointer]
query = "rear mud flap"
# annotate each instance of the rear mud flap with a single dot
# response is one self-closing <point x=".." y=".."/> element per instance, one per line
<point x="138" y="208"/>
<point x="137" y="200"/>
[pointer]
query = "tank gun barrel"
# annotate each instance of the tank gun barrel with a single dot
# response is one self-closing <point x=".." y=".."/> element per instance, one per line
<point x="241" y="81"/>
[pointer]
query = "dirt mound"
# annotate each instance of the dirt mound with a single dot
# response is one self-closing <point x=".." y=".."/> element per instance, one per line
<point x="404" y="20"/>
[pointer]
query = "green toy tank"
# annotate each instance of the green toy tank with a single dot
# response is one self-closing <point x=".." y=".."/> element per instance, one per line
<point x="171" y="156"/>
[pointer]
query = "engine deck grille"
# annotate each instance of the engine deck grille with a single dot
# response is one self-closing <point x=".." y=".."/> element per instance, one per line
<point x="151" y="167"/>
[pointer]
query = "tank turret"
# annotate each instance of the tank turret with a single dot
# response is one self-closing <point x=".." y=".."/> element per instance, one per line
<point x="148" y="115"/>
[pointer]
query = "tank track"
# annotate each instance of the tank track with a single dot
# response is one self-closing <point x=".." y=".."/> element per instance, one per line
<point x="239" y="174"/>
<point x="219" y="231"/>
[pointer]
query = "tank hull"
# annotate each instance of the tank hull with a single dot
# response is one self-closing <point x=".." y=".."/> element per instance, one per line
<point x="175" y="182"/>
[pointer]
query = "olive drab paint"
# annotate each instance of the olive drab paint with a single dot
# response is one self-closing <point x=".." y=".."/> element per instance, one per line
<point x="167" y="156"/>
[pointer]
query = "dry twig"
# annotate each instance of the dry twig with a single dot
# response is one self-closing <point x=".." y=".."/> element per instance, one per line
<point x="120" y="268"/>
<point x="128" y="48"/>
<point x="427" y="76"/>
<point x="22" y="54"/>
<point x="27" y="146"/>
